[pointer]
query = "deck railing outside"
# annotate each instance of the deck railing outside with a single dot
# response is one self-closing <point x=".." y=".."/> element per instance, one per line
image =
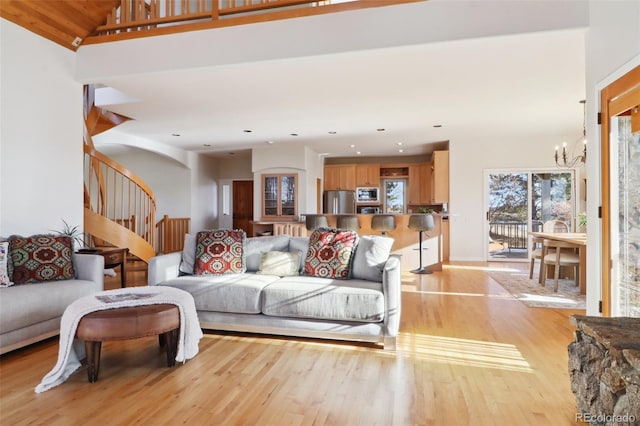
<point x="512" y="234"/>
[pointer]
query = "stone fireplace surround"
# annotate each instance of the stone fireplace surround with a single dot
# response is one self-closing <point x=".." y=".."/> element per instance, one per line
<point x="604" y="369"/>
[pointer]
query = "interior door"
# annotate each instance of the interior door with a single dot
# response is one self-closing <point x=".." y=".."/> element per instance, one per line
<point x="620" y="108"/>
<point x="243" y="205"/>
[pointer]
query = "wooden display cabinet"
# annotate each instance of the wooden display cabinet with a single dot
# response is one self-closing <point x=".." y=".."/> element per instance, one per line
<point x="279" y="196"/>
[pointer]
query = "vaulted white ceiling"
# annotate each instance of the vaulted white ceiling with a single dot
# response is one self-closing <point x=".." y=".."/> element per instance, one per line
<point x="501" y="85"/>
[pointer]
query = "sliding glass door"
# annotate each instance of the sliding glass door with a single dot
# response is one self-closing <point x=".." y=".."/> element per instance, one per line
<point x="521" y="201"/>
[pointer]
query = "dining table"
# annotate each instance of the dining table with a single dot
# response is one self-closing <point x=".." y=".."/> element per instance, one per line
<point x="579" y="239"/>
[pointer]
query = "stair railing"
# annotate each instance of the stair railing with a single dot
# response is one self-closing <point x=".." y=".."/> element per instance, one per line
<point x="119" y="207"/>
<point x="171" y="232"/>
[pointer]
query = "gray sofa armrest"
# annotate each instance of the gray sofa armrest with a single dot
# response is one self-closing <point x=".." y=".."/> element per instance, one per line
<point x="392" y="288"/>
<point x="90" y="267"/>
<point x="164" y="267"/>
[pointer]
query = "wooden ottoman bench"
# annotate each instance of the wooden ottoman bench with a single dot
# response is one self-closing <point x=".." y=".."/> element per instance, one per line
<point x="128" y="323"/>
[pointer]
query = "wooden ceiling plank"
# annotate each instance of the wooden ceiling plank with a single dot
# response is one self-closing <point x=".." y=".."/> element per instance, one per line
<point x="51" y="14"/>
<point x="22" y="15"/>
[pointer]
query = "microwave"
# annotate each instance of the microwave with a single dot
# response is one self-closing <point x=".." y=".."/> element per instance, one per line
<point x="368" y="195"/>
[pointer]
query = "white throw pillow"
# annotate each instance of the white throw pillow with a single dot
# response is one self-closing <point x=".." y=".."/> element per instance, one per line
<point x="371" y="254"/>
<point x="4" y="270"/>
<point x="279" y="263"/>
<point x="188" y="254"/>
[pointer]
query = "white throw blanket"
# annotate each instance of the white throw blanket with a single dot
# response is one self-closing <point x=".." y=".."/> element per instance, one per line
<point x="71" y="350"/>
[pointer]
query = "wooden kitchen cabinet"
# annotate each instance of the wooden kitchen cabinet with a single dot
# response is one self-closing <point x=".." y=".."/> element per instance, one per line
<point x="339" y="177"/>
<point x="368" y="175"/>
<point x="419" y="183"/>
<point x="440" y="177"/>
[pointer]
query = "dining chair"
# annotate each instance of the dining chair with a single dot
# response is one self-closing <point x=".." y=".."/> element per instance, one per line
<point x="556" y="256"/>
<point x="555" y="226"/>
<point x="536" y="253"/>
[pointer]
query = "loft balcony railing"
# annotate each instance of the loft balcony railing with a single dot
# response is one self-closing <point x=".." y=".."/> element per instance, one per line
<point x="138" y="18"/>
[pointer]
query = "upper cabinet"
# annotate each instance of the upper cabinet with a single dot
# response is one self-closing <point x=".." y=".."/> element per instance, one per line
<point x="279" y="198"/>
<point x="340" y="177"/>
<point x="420" y="183"/>
<point x="440" y="177"/>
<point x="368" y="175"/>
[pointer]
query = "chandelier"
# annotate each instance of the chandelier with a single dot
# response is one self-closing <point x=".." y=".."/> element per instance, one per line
<point x="565" y="159"/>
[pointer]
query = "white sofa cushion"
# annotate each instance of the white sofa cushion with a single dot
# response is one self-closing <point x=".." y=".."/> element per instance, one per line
<point x="324" y="298"/>
<point x="237" y="293"/>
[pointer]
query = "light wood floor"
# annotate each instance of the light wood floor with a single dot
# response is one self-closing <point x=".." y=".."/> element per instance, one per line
<point x="468" y="354"/>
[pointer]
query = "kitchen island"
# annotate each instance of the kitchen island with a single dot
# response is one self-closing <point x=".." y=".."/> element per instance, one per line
<point x="435" y="242"/>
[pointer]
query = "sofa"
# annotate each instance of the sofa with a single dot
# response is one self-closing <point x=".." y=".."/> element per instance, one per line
<point x="297" y="298"/>
<point x="31" y="311"/>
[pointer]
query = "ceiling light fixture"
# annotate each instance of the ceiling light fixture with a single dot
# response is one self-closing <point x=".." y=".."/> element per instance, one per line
<point x="399" y="144"/>
<point x="437" y="126"/>
<point x="401" y="151"/>
<point x="175" y="134"/>
<point x="206" y="144"/>
<point x="380" y="130"/>
<point x="332" y="132"/>
<point x="581" y="158"/>
<point x="247" y="131"/>
<point x="269" y="142"/>
<point x="293" y="134"/>
<point x="352" y="146"/>
<point x="358" y="152"/>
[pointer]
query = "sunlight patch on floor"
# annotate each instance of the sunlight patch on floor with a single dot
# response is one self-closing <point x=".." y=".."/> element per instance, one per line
<point x="481" y="268"/>
<point x="456" y="351"/>
<point x="411" y="289"/>
<point x="527" y="297"/>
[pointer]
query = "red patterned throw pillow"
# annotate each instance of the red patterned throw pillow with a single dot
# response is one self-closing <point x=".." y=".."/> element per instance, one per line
<point x="330" y="252"/>
<point x="220" y="252"/>
<point x="41" y="258"/>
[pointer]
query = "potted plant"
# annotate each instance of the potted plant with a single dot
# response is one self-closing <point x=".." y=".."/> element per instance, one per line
<point x="77" y="237"/>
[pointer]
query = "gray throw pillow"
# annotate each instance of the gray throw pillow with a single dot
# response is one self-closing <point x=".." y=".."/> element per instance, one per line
<point x="300" y="244"/>
<point x="371" y="254"/>
<point x="188" y="254"/>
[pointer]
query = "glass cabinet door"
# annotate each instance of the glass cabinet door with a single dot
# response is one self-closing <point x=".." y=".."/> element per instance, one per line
<point x="279" y="196"/>
<point x="270" y="196"/>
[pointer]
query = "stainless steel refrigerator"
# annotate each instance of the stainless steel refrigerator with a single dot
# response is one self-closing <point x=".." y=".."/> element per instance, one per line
<point x="337" y="202"/>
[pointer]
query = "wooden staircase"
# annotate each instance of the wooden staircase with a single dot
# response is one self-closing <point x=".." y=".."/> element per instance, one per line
<point x="119" y="208"/>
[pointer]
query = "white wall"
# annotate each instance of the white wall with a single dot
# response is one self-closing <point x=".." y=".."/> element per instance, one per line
<point x="41" y="180"/>
<point x="230" y="169"/>
<point x="612" y="49"/>
<point x="169" y="180"/>
<point x="285" y="158"/>
<point x="204" y="191"/>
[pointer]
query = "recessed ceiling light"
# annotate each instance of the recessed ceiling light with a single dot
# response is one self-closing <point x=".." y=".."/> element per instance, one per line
<point x="332" y="132"/>
<point x="175" y="134"/>
<point x="437" y="125"/>
<point x="352" y="146"/>
<point x="206" y="144"/>
<point x="247" y="131"/>
<point x="293" y="134"/>
<point x="358" y="152"/>
<point x="401" y="150"/>
<point x="269" y="142"/>
<point x="380" y="130"/>
<point x="399" y="143"/>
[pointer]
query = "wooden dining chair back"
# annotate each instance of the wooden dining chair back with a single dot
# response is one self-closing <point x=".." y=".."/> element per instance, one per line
<point x="556" y="256"/>
<point x="536" y="253"/>
<point x="555" y="226"/>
